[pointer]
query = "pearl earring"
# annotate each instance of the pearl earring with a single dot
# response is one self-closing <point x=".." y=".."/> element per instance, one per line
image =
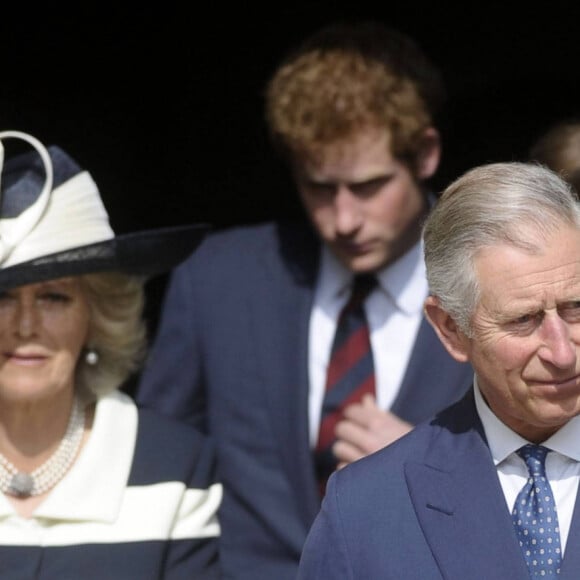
<point x="91" y="357"/>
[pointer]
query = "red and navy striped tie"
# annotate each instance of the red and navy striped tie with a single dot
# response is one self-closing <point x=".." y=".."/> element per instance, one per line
<point x="350" y="373"/>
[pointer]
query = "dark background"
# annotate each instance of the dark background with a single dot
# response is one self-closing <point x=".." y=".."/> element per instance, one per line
<point x="164" y="104"/>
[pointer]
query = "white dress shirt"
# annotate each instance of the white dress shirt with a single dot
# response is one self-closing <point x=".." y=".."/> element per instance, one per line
<point x="394" y="313"/>
<point x="562" y="465"/>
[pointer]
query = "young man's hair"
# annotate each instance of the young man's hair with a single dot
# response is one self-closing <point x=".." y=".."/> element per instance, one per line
<point x="351" y="77"/>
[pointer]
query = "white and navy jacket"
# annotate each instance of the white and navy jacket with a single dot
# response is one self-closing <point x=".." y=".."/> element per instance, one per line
<point x="139" y="503"/>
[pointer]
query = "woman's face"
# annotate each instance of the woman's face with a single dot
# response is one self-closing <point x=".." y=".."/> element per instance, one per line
<point x="43" y="329"/>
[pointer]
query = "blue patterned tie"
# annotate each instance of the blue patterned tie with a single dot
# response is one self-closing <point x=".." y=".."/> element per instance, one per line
<point x="535" y="517"/>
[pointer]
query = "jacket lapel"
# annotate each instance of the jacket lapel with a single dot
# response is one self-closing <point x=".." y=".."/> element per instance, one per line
<point x="571" y="563"/>
<point x="282" y="316"/>
<point x="458" y="500"/>
<point x="430" y="364"/>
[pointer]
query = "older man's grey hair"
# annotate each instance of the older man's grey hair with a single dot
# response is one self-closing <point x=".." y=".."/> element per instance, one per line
<point x="519" y="204"/>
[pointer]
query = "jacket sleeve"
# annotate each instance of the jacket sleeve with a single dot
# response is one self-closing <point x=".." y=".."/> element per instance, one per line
<point x="192" y="551"/>
<point x="171" y="381"/>
<point x="325" y="553"/>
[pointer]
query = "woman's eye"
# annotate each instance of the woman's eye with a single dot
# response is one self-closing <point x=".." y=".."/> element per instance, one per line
<point x="55" y="297"/>
<point x="4" y="296"/>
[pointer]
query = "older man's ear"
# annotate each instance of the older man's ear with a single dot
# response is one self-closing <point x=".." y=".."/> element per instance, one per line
<point x="453" y="339"/>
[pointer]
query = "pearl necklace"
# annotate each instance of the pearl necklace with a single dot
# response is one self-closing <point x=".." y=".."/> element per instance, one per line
<point x="45" y="477"/>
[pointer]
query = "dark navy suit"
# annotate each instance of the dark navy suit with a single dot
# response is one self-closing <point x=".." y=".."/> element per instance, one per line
<point x="428" y="507"/>
<point x="231" y="356"/>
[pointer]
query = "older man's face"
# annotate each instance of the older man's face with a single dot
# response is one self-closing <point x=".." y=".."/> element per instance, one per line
<point x="526" y="341"/>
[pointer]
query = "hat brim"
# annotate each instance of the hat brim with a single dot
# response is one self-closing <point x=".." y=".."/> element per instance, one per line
<point x="145" y="253"/>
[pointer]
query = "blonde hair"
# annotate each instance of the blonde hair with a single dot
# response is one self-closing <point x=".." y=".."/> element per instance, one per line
<point x="117" y="332"/>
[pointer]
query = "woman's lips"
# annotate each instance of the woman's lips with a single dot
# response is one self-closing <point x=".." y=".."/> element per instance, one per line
<point x="25" y="359"/>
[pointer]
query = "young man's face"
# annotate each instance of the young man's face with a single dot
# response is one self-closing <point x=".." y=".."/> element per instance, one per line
<point x="366" y="204"/>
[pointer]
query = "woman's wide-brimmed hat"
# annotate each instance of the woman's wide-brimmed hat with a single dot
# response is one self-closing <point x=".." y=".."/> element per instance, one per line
<point x="53" y="223"/>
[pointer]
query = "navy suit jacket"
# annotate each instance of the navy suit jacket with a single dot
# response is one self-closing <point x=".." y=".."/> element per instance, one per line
<point x="231" y="356"/>
<point x="429" y="506"/>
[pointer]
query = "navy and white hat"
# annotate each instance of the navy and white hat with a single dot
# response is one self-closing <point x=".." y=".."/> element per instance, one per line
<point x="53" y="223"/>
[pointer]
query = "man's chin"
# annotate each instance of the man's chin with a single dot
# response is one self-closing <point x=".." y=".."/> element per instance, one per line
<point x="361" y="264"/>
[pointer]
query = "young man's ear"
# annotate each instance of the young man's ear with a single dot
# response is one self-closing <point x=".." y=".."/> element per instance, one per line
<point x="429" y="154"/>
<point x="453" y="339"/>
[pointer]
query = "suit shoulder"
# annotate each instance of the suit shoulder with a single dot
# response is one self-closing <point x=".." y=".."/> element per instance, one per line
<point x="233" y="255"/>
<point x="244" y="240"/>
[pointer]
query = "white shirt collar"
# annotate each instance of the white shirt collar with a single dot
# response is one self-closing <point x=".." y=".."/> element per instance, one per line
<point x="503" y="441"/>
<point x="404" y="281"/>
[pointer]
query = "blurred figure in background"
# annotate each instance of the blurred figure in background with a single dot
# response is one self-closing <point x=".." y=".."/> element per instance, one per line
<point x="559" y="149"/>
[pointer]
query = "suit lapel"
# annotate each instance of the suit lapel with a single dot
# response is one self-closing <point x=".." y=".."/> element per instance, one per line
<point x="281" y="317"/>
<point x="430" y="364"/>
<point x="571" y="563"/>
<point x="458" y="500"/>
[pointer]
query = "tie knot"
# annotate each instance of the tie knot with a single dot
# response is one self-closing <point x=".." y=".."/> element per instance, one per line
<point x="362" y="286"/>
<point x="535" y="457"/>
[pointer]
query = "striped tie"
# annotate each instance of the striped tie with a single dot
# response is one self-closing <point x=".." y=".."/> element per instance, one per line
<point x="350" y="373"/>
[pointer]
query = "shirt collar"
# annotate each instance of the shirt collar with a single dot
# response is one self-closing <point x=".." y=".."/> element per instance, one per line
<point x="404" y="281"/>
<point x="503" y="441"/>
